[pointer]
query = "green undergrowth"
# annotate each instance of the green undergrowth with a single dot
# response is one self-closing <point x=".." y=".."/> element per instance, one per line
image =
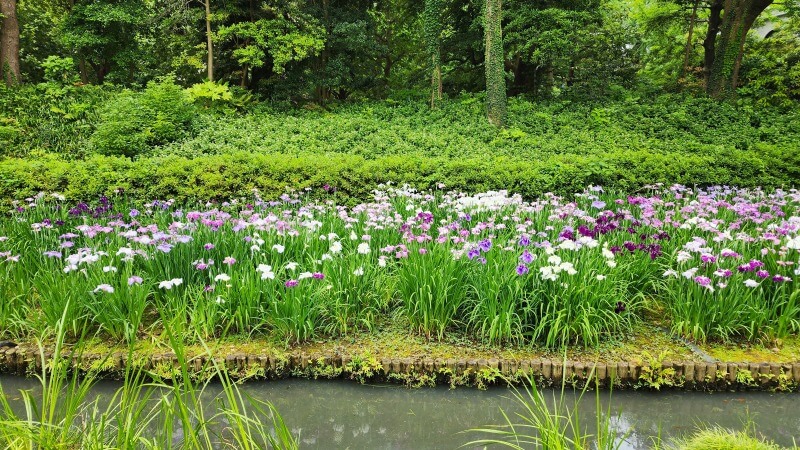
<point x="364" y="354"/>
<point x="353" y="177"/>
<point x="392" y="340"/>
<point x="774" y="351"/>
<point x="146" y="412"/>
<point x="557" y="146"/>
<point x="715" y="438"/>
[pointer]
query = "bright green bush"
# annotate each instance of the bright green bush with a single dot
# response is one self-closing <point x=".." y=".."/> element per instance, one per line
<point x="722" y="439"/>
<point x="49" y="117"/>
<point x="237" y="174"/>
<point x="135" y="122"/>
<point x="458" y="129"/>
<point x="159" y="121"/>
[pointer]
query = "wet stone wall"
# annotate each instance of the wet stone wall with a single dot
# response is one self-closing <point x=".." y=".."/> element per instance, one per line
<point x="427" y="371"/>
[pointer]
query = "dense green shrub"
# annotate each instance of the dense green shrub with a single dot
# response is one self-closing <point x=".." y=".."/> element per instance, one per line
<point x="458" y="129"/>
<point x="237" y="174"/>
<point x="49" y="117"/>
<point x="135" y="122"/>
<point x="140" y="122"/>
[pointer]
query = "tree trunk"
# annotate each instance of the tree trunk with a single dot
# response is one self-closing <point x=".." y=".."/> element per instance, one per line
<point x="387" y="67"/>
<point x="737" y="21"/>
<point x="432" y="16"/>
<point x="324" y="91"/>
<point x="710" y="42"/>
<point x="688" y="49"/>
<point x="83" y="70"/>
<point x="209" y="44"/>
<point x="9" y="43"/>
<point x="571" y="74"/>
<point x="495" y="67"/>
<point x="436" y="82"/>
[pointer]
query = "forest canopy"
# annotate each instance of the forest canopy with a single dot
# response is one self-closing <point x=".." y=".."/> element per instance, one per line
<point x="335" y="50"/>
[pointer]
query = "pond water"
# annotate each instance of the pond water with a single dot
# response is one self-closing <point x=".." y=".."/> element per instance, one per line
<point x="345" y="415"/>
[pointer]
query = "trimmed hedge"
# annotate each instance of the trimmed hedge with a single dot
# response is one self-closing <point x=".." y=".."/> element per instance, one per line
<point x="219" y="177"/>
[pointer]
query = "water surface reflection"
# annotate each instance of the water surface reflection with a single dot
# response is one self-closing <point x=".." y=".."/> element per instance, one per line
<point x="343" y="415"/>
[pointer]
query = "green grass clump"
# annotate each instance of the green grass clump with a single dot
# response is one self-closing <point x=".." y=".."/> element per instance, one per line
<point x="142" y="414"/>
<point x="722" y="439"/>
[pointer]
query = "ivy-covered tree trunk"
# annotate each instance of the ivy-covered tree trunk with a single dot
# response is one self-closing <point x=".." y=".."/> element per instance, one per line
<point x="432" y="16"/>
<point x="710" y="42"/>
<point x="495" y="64"/>
<point x="209" y="43"/>
<point x="687" y="51"/>
<point x="9" y="42"/>
<point x="736" y="22"/>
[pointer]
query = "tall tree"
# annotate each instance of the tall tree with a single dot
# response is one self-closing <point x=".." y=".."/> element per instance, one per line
<point x="105" y="34"/>
<point x="277" y="32"/>
<point x="9" y="42"/>
<point x="710" y="42"/>
<point x="209" y="41"/>
<point x="495" y="63"/>
<point x="737" y="20"/>
<point x="432" y="16"/>
<point x="688" y="48"/>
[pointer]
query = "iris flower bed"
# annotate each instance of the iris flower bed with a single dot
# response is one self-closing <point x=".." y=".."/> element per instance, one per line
<point x="714" y="264"/>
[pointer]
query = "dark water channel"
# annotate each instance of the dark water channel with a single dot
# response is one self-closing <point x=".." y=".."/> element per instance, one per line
<point x="344" y="415"/>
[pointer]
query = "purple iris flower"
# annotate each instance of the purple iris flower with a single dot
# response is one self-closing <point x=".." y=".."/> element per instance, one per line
<point x="708" y="259"/>
<point x="702" y="281"/>
<point x="526" y="257"/>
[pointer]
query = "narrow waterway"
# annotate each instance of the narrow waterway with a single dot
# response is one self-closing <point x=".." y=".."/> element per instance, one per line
<point x="345" y="415"/>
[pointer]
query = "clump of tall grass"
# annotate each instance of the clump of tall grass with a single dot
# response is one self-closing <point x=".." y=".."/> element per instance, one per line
<point x="140" y="414"/>
<point x="556" y="427"/>
<point x="716" y="438"/>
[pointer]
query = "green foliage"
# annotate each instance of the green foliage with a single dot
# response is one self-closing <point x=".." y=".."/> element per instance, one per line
<point x="343" y="50"/>
<point x="432" y="20"/>
<point x="143" y="413"/>
<point x="495" y="64"/>
<point x="134" y="122"/>
<point x="59" y="70"/>
<point x="432" y="290"/>
<point x="551" y="424"/>
<point x="236" y="174"/>
<point x="722" y="439"/>
<point x="286" y="34"/>
<point x="662" y="26"/>
<point x="210" y="94"/>
<point x="101" y="33"/>
<point x="49" y="117"/>
<point x="569" y="48"/>
<point x="770" y="73"/>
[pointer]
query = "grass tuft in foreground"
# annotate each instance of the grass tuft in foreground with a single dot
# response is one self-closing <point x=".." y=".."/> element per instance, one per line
<point x="140" y="415"/>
